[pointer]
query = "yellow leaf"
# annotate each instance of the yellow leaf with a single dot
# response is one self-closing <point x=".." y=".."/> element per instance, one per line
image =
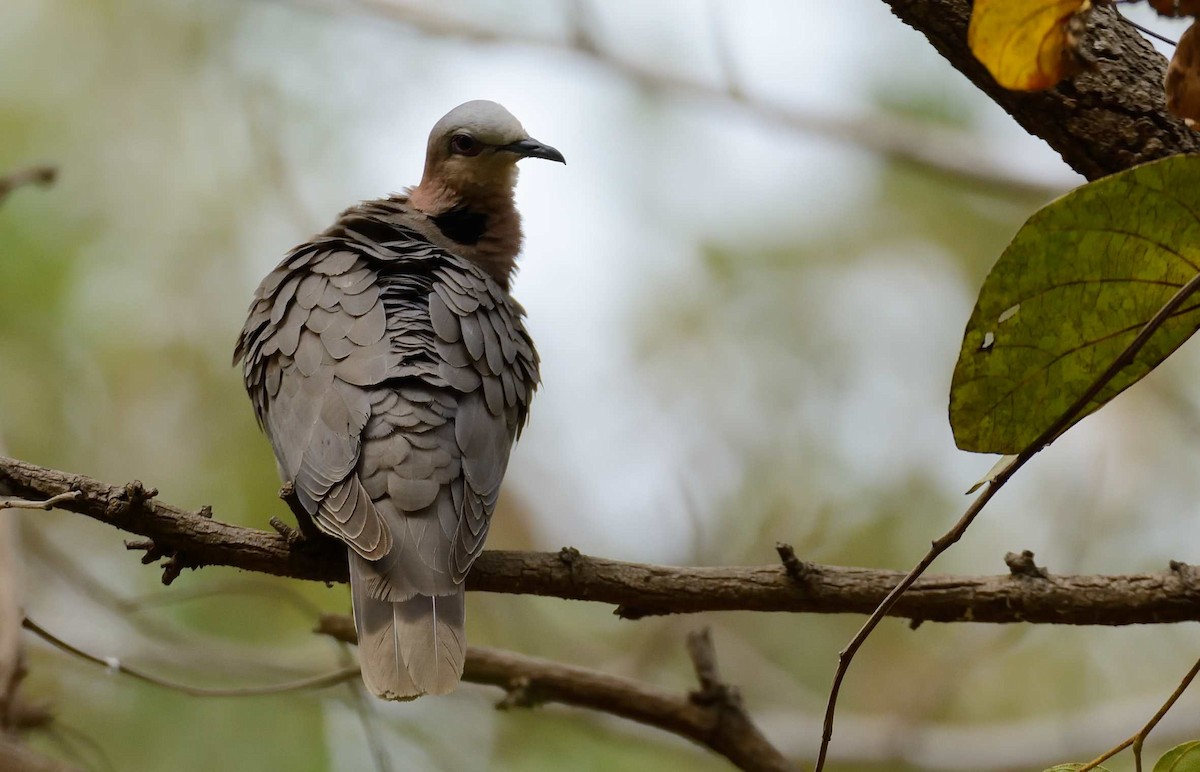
<point x="1183" y="79"/>
<point x="1027" y="45"/>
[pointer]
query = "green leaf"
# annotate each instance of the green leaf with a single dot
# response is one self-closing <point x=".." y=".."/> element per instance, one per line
<point x="1077" y="284"/>
<point x="1181" y="758"/>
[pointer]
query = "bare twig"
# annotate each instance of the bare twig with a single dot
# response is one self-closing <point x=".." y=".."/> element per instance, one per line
<point x="1140" y="736"/>
<point x="1144" y="30"/>
<point x="115" y="665"/>
<point x="33" y="175"/>
<point x="528" y="681"/>
<point x="49" y="503"/>
<point x="948" y="539"/>
<point x="308" y="529"/>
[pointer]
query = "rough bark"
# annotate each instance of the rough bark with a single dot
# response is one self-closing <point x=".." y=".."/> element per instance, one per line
<point x="1102" y="121"/>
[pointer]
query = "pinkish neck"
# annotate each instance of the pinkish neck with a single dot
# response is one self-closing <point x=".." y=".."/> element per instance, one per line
<point x="496" y="247"/>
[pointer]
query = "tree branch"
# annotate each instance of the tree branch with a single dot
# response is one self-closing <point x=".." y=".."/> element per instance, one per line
<point x="712" y="717"/>
<point x="195" y="539"/>
<point x="1100" y="122"/>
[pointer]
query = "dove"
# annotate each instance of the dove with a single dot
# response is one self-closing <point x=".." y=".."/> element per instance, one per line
<point x="392" y="373"/>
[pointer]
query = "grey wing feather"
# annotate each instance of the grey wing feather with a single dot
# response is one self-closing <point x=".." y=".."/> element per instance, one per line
<point x="316" y="414"/>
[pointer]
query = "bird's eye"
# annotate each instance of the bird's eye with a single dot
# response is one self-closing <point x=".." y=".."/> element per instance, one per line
<point x="465" y="144"/>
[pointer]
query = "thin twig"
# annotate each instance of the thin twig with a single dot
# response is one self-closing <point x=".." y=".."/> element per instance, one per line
<point x="49" y="503"/>
<point x="1126" y="357"/>
<point x="1140" y="736"/>
<point x="1140" y="28"/>
<point x="115" y="665"/>
<point x="704" y="660"/>
<point x="308" y="528"/>
<point x="33" y="175"/>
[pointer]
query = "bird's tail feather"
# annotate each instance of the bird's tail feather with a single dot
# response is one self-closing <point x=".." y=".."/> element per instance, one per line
<point x="411" y="647"/>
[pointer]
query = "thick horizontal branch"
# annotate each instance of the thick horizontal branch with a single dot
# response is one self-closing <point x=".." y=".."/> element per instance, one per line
<point x="711" y="716"/>
<point x="194" y="539"/>
<point x="1102" y="121"/>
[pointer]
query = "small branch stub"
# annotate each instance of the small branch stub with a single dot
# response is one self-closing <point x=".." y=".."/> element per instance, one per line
<point x="796" y="569"/>
<point x="1021" y="565"/>
<point x="133" y="496"/>
<point x="308" y="529"/>
<point x="704" y="660"/>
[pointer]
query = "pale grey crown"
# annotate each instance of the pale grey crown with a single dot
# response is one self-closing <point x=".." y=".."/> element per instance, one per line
<point x="486" y="121"/>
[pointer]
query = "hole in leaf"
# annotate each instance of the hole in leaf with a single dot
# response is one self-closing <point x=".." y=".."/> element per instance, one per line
<point x="1009" y="314"/>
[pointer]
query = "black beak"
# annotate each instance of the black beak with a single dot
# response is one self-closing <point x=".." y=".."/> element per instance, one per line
<point x="531" y="148"/>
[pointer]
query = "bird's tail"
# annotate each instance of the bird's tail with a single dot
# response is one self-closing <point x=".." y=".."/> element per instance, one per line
<point x="411" y="647"/>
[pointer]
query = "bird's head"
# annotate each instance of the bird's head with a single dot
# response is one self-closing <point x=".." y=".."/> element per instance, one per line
<point x="474" y="150"/>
